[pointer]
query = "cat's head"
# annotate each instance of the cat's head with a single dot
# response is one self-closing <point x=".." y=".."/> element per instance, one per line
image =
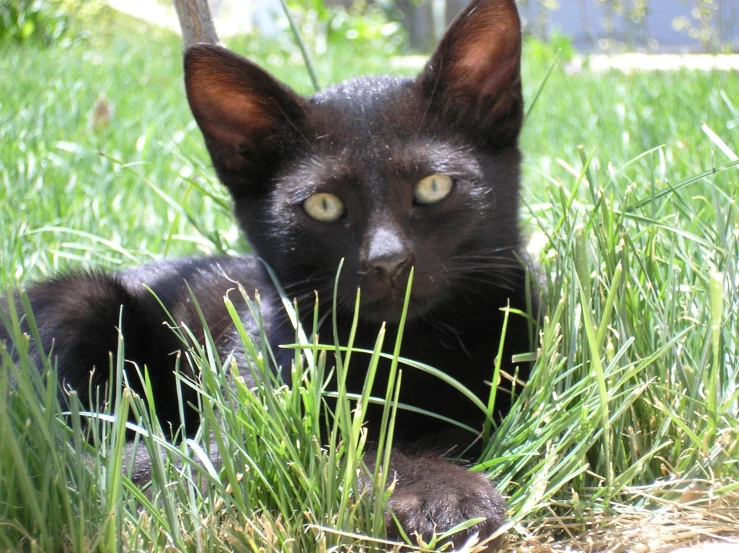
<point x="385" y="173"/>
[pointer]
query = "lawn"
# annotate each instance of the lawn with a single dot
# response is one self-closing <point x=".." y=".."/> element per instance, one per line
<point x="631" y="417"/>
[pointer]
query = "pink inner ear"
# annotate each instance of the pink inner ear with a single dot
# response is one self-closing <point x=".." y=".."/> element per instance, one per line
<point x="487" y="56"/>
<point x="486" y="69"/>
<point x="234" y="118"/>
<point x="229" y="116"/>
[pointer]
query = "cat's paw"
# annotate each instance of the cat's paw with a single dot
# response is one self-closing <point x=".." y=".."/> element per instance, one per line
<point x="432" y="496"/>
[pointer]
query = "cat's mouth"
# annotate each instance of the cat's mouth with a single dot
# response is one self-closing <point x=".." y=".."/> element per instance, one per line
<point x="384" y="302"/>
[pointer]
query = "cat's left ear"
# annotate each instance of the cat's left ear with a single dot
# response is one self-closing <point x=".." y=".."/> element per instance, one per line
<point x="474" y="75"/>
<point x="248" y="118"/>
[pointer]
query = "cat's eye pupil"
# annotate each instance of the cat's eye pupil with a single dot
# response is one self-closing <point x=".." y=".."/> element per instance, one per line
<point x="324" y="207"/>
<point x="433" y="189"/>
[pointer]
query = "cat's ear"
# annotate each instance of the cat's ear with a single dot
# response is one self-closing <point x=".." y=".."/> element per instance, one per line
<point x="246" y="116"/>
<point x="474" y="75"/>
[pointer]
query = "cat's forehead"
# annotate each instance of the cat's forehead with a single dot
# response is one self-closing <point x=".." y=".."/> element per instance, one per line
<point x="369" y="92"/>
<point x="418" y="157"/>
<point x="371" y="114"/>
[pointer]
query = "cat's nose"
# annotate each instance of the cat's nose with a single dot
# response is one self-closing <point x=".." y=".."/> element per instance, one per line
<point x="391" y="266"/>
<point x="387" y="252"/>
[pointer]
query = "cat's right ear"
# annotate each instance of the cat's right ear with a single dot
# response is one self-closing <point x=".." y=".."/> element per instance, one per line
<point x="246" y="116"/>
<point x="473" y="78"/>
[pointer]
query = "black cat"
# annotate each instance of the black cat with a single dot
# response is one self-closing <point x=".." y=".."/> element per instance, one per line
<point x="385" y="173"/>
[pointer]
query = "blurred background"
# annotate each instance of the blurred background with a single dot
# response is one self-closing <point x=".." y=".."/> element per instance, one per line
<point x="710" y="26"/>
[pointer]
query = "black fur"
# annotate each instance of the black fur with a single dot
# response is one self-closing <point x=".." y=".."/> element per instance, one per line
<point x="367" y="142"/>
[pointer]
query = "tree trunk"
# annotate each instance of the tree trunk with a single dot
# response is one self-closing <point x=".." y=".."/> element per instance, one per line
<point x="452" y="8"/>
<point x="418" y="21"/>
<point x="196" y="22"/>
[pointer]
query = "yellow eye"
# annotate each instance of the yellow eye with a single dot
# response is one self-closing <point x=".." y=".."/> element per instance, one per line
<point x="433" y="189"/>
<point x="324" y="207"/>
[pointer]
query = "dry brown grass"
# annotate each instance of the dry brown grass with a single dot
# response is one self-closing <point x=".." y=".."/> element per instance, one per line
<point x="696" y="517"/>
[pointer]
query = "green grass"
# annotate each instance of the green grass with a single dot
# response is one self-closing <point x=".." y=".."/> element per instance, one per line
<point x="634" y="398"/>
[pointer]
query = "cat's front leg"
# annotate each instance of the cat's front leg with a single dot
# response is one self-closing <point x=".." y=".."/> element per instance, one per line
<point x="431" y="496"/>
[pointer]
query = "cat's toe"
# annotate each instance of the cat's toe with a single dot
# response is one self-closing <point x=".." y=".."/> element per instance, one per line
<point x="435" y="496"/>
